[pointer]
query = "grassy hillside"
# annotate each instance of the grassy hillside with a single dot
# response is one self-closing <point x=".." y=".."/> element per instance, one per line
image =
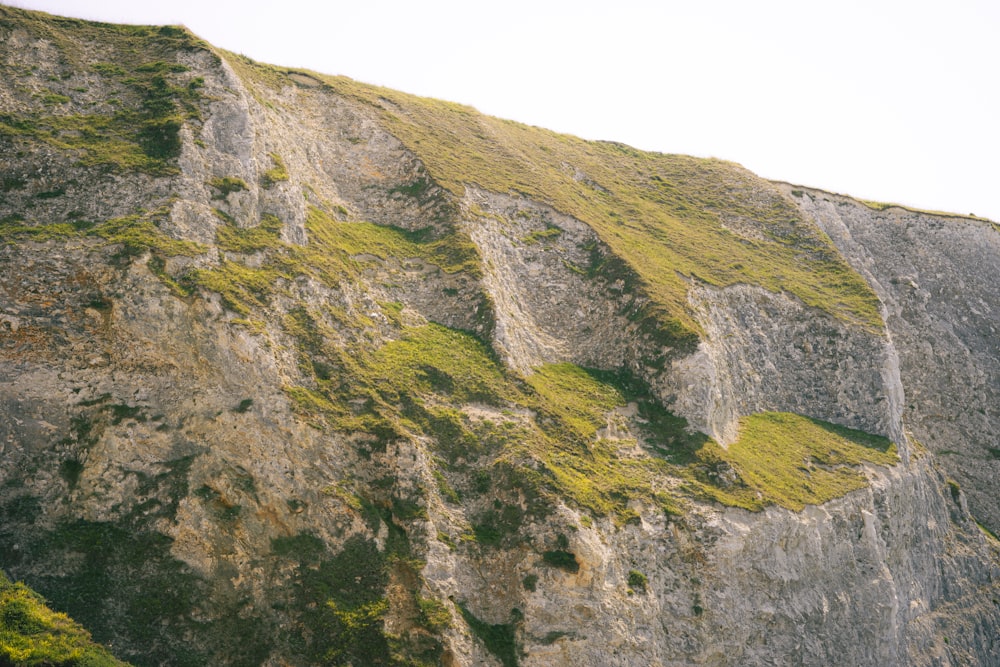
<point x="32" y="634"/>
<point x="662" y="214"/>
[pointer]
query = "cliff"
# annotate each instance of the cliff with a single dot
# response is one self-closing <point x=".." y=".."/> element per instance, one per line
<point x="296" y="370"/>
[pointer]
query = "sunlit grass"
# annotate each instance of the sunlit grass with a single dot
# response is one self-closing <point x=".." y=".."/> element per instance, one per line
<point x="33" y="634"/>
<point x="663" y="214"/>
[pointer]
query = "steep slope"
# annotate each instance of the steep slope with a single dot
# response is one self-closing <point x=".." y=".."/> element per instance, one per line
<point x="936" y="275"/>
<point x="32" y="634"/>
<point x="295" y="370"/>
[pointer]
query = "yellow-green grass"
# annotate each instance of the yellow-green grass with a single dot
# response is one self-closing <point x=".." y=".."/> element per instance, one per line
<point x="421" y="383"/>
<point x="883" y="206"/>
<point x="779" y="458"/>
<point x="265" y="235"/>
<point x="452" y="252"/>
<point x="794" y="461"/>
<point x="31" y="634"/>
<point x="335" y="251"/>
<point x="660" y="213"/>
<point x="575" y="397"/>
<point x="277" y="173"/>
<point x="135" y="232"/>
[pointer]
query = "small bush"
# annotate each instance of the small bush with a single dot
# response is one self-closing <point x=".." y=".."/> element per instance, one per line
<point x="564" y="560"/>
<point x="637" y="580"/>
<point x="225" y="185"/>
<point x="434" y="615"/>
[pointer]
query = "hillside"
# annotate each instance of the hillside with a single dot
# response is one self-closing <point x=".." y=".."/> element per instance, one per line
<point x="296" y="370"/>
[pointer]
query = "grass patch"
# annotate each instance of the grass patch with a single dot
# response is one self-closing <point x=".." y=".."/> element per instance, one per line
<point x="276" y="174"/>
<point x="335" y="252"/>
<point x="434" y="614"/>
<point x="540" y="235"/>
<point x="779" y="458"/>
<point x="884" y="206"/>
<point x="419" y="383"/>
<point x="226" y="185"/>
<point x="13" y="227"/>
<point x="576" y="397"/>
<point x="138" y="233"/>
<point x="243" y="289"/>
<point x="795" y="461"/>
<point x="32" y="634"/>
<point x="452" y="252"/>
<point x="265" y="235"/>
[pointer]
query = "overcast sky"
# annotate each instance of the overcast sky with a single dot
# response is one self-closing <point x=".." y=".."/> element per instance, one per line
<point x="893" y="100"/>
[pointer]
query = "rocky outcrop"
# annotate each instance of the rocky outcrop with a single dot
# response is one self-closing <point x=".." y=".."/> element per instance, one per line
<point x="547" y="308"/>
<point x="735" y="588"/>
<point x="936" y="275"/>
<point x="765" y="351"/>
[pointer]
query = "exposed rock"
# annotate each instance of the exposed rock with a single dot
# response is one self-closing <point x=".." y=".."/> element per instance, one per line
<point x="936" y="275"/>
<point x="766" y="351"/>
<point x="273" y="394"/>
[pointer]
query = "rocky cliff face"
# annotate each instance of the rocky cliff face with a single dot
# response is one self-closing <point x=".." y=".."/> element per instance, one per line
<point x="284" y="382"/>
<point x="935" y="274"/>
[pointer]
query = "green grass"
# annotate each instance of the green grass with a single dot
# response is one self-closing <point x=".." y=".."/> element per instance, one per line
<point x="418" y="385"/>
<point x="336" y="251"/>
<point x="883" y="206"/>
<point x="541" y="235"/>
<point x="226" y="184"/>
<point x="660" y="213"/>
<point x="32" y="634"/>
<point x="797" y="461"/>
<point x="135" y="233"/>
<point x="265" y="235"/>
<point x="452" y="252"/>
<point x="276" y="174"/>
<point x="779" y="458"/>
<point x="139" y="232"/>
<point x="243" y="289"/>
<point x="576" y="397"/>
<point x="14" y="228"/>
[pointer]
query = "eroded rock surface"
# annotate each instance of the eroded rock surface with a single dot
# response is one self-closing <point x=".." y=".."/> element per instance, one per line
<point x="238" y="422"/>
<point x="936" y="275"/>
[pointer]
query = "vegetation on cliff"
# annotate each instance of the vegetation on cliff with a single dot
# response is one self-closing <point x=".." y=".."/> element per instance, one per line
<point x="497" y="451"/>
<point x="33" y="635"/>
<point x="670" y="217"/>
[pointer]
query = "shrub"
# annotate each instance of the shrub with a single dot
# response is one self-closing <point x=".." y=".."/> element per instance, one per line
<point x="564" y="560"/>
<point x="637" y="580"/>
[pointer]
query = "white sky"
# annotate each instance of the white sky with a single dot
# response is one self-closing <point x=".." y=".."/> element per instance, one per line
<point x="893" y="100"/>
